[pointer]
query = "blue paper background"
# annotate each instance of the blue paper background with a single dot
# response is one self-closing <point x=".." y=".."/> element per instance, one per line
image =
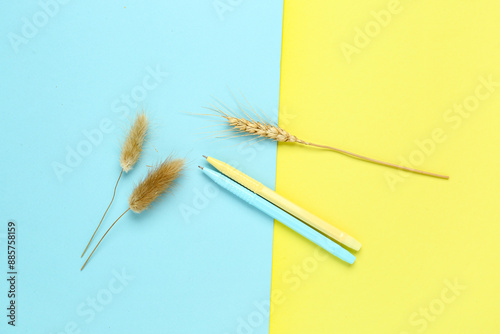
<point x="200" y="260"/>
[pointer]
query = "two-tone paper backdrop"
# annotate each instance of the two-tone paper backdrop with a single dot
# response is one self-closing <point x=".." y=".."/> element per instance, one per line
<point x="73" y="75"/>
<point x="414" y="82"/>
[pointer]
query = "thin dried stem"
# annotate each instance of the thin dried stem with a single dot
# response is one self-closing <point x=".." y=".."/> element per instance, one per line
<point x="105" y="212"/>
<point x="103" y="238"/>
<point x="388" y="164"/>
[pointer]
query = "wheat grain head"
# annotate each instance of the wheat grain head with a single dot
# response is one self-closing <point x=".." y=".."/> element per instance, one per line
<point x="262" y="129"/>
<point x="260" y="126"/>
<point x="158" y="180"/>
<point x="132" y="147"/>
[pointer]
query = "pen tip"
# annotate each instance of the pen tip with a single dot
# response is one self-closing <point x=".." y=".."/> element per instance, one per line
<point x="205" y="156"/>
<point x="200" y="167"/>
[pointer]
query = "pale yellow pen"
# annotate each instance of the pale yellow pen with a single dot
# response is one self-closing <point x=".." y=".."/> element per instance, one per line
<point x="281" y="202"/>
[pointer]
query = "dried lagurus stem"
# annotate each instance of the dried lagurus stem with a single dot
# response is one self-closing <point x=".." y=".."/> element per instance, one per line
<point x="159" y="180"/>
<point x="131" y="151"/>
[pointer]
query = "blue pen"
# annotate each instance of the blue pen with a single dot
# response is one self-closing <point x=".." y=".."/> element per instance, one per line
<point x="280" y="215"/>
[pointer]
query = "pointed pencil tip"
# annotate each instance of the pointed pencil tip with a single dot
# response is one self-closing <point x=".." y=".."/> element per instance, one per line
<point x="205" y="156"/>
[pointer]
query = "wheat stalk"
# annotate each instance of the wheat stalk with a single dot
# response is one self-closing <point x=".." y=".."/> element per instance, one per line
<point x="157" y="181"/>
<point x="131" y="151"/>
<point x="264" y="128"/>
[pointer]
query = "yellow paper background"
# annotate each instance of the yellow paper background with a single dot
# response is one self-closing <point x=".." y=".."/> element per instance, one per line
<point x="420" y="234"/>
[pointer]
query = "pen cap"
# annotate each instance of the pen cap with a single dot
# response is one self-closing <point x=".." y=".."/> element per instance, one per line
<point x="236" y="175"/>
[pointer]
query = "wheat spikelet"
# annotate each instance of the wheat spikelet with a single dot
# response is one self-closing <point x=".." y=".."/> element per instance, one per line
<point x="132" y="147"/>
<point x="155" y="183"/>
<point x="244" y="124"/>
<point x="262" y="130"/>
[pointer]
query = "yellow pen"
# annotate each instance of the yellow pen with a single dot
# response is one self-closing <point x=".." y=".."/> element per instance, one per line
<point x="281" y="202"/>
